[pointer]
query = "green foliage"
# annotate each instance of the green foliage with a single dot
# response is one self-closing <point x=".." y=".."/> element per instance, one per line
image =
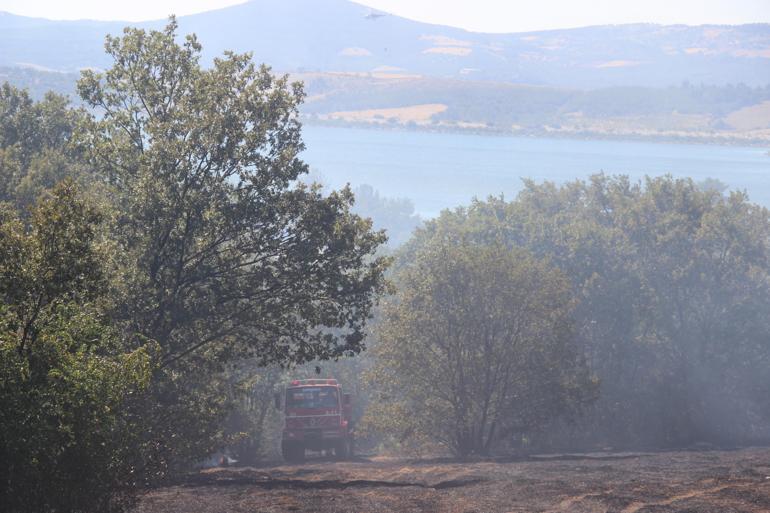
<point x="395" y="215"/>
<point x="35" y="144"/>
<point x="229" y="248"/>
<point x="129" y="316"/>
<point x="65" y="439"/>
<point x="477" y="345"/>
<point x="226" y="255"/>
<point x="56" y="261"/>
<point x="674" y="288"/>
<point x="253" y="428"/>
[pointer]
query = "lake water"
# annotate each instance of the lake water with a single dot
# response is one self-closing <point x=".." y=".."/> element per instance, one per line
<point x="443" y="170"/>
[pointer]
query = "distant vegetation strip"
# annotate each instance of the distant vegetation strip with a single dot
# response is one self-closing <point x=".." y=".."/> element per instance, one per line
<point x="734" y="114"/>
<point x="717" y="114"/>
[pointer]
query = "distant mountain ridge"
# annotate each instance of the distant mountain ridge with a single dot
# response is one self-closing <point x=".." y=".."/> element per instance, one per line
<point x="337" y="35"/>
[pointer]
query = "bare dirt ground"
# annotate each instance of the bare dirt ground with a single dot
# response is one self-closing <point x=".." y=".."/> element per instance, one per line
<point x="692" y="482"/>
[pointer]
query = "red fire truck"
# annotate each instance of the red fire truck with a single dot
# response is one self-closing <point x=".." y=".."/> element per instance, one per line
<point x="318" y="417"/>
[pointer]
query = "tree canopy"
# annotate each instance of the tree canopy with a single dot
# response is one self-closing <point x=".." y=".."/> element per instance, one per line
<point x="36" y="149"/>
<point x="477" y="345"/>
<point x="65" y="376"/>
<point x="673" y="282"/>
<point x="228" y="246"/>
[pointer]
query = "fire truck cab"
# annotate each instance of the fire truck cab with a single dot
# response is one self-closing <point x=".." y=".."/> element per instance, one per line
<point x="317" y="417"/>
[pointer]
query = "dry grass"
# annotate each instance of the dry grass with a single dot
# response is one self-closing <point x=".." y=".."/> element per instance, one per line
<point x="413" y="113"/>
<point x="755" y="117"/>
<point x="617" y="64"/>
<point x="693" y="482"/>
<point x="459" y="51"/>
<point x="445" y="41"/>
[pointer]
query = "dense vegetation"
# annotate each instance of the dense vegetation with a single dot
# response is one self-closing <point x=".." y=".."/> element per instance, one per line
<point x="147" y="250"/>
<point x="673" y="287"/>
<point x="66" y="442"/>
<point x="477" y="345"/>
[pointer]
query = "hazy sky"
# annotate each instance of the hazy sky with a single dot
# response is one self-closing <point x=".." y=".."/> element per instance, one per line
<point x="482" y="15"/>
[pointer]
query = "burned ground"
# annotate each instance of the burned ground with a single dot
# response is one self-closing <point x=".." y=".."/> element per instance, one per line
<point x="692" y="482"/>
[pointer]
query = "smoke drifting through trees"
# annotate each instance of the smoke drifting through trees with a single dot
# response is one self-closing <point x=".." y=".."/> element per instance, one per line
<point x="673" y="311"/>
<point x="476" y="347"/>
<point x="153" y="257"/>
<point x="671" y="300"/>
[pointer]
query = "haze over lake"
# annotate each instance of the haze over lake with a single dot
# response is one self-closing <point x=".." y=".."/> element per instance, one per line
<point x="444" y="170"/>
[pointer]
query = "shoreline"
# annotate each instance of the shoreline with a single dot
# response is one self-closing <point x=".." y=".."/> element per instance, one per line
<point x="716" y="140"/>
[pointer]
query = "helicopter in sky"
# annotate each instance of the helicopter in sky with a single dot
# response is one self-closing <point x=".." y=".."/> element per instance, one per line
<point x="373" y="15"/>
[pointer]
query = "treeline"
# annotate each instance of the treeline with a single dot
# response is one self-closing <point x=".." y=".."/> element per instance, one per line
<point x="502" y="105"/>
<point x="499" y="105"/>
<point x="593" y="314"/>
<point x="38" y="82"/>
<point x="149" y="247"/>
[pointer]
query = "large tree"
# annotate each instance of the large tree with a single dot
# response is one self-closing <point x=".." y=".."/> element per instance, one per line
<point x="476" y="346"/>
<point x="230" y="249"/>
<point x="224" y="252"/>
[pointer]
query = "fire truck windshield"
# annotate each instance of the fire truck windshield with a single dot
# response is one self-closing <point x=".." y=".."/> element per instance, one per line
<point x="312" y="397"/>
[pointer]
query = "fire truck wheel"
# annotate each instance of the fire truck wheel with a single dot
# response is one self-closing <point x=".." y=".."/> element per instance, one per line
<point x="293" y="453"/>
<point x="342" y="450"/>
